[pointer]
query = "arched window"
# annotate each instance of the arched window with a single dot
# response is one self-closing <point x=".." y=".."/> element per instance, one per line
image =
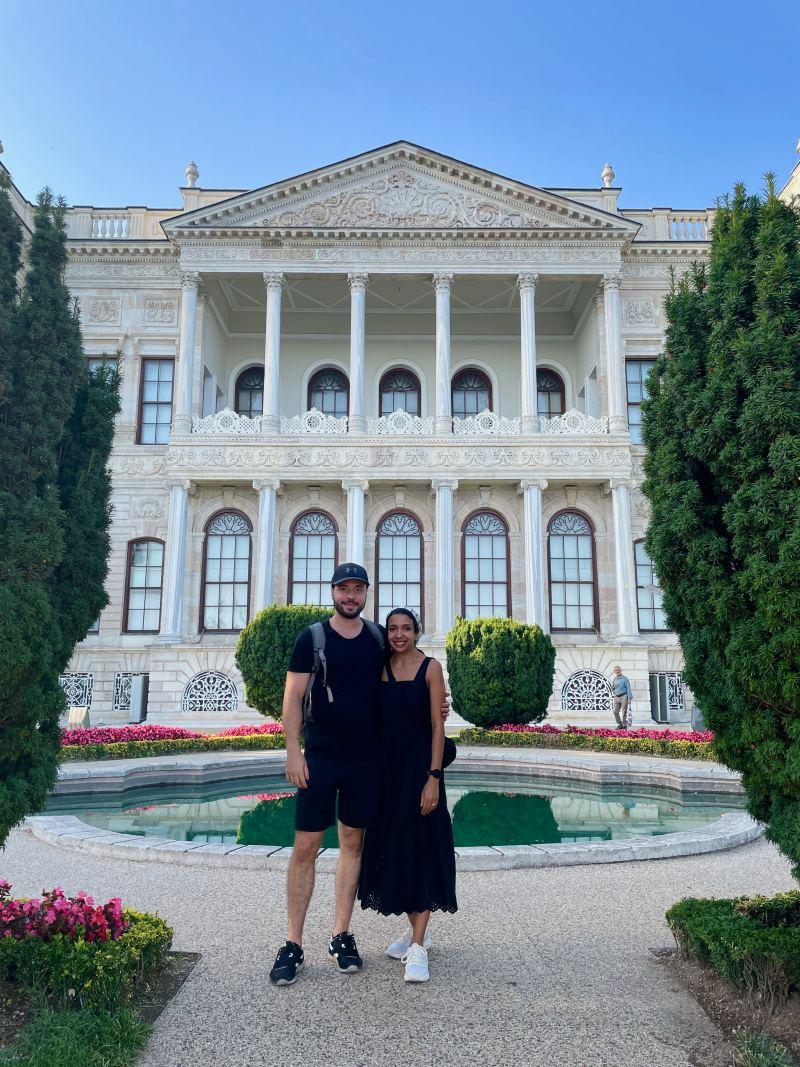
<point x="472" y="393"/>
<point x="549" y="392"/>
<point x="328" y="391"/>
<point x="313" y="558"/>
<point x="648" y="591"/>
<point x="225" y="596"/>
<point x="573" y="580"/>
<point x="400" y="391"/>
<point x="398" y="555"/>
<point x="485" y="584"/>
<point x="250" y="392"/>
<point x="143" y="586"/>
<point x="210" y="692"/>
<point x="586" y="690"/>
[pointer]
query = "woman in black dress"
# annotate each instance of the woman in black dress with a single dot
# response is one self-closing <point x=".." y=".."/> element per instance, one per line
<point x="409" y="861"/>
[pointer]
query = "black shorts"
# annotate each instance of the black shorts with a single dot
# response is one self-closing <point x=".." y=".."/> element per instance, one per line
<point x="357" y="786"/>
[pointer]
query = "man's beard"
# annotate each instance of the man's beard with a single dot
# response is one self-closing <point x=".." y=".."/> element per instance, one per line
<point x="348" y="613"/>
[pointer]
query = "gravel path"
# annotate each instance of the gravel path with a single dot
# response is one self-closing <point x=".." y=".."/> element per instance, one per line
<point x="538" y="967"/>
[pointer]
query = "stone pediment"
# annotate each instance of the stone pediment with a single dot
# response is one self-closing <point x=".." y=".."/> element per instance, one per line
<point x="399" y="188"/>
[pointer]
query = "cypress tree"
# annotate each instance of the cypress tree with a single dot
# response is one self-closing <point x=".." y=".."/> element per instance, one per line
<point x="722" y="430"/>
<point x="55" y="436"/>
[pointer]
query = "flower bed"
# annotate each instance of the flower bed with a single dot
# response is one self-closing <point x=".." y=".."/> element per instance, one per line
<point x="75" y="951"/>
<point x="670" y="743"/>
<point x="171" y="747"/>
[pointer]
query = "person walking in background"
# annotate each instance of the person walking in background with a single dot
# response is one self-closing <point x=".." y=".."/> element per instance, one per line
<point x="621" y="696"/>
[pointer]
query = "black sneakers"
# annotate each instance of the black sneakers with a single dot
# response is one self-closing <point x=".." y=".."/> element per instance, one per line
<point x="343" y="949"/>
<point x="288" y="963"/>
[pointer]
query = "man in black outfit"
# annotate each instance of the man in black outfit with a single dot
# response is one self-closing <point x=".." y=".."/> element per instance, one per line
<point x="341" y="761"/>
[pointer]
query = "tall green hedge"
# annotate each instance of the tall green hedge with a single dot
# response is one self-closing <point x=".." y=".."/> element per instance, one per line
<point x="264" y="649"/>
<point x="722" y="430"/>
<point x="500" y="671"/>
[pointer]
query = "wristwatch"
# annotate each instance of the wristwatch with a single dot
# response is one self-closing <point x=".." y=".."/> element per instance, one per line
<point x="435" y="774"/>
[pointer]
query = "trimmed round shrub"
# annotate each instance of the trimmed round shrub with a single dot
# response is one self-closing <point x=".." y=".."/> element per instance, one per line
<point x="500" y="671"/>
<point x="265" y="648"/>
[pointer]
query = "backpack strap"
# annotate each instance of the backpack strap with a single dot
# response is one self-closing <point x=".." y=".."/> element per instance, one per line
<point x="320" y="664"/>
<point x="376" y="632"/>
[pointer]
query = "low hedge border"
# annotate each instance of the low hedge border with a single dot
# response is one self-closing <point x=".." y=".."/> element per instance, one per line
<point x="728" y="936"/>
<point x="97" y="974"/>
<point x="641" y="746"/>
<point x="134" y="749"/>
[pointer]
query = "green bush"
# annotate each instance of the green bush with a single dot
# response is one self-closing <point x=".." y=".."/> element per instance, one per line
<point x="764" y="961"/>
<point x="101" y="974"/>
<point x="780" y="910"/>
<point x="172" y="746"/>
<point x="265" y="648"/>
<point x="644" y="746"/>
<point x="500" y="671"/>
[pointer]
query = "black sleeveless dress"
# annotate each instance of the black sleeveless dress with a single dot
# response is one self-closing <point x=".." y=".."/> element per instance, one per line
<point x="409" y="863"/>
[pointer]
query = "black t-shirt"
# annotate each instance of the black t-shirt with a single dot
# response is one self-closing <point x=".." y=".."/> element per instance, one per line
<point x="347" y="728"/>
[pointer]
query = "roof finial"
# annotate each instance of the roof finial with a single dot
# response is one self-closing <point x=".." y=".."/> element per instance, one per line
<point x="192" y="174"/>
<point x="608" y="175"/>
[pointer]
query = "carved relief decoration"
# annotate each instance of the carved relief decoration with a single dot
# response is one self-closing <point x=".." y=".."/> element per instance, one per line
<point x="160" y="312"/>
<point x="639" y="313"/>
<point x="149" y="508"/>
<point x="100" y="311"/>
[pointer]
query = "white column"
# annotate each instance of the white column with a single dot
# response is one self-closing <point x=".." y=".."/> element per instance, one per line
<point x="265" y="558"/>
<point x="527" y="307"/>
<point x="445" y="571"/>
<point x="175" y="559"/>
<point x="615" y="364"/>
<point x="623" y="558"/>
<point x="271" y="419"/>
<point x="531" y="489"/>
<point x="355" y="489"/>
<point x="358" y="299"/>
<point x="444" y="413"/>
<point x="182" y="415"/>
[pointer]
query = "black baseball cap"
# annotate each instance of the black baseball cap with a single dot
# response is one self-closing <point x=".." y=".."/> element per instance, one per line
<point x="349" y="572"/>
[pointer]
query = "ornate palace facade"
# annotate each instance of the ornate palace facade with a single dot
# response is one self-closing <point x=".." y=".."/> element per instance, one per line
<point x="399" y="359"/>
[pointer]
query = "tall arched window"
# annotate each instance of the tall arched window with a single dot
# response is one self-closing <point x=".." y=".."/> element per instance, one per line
<point x="250" y="392"/>
<point x="398" y="554"/>
<point x="549" y="392"/>
<point x="472" y="393"/>
<point x="573" y="579"/>
<point x="485" y="583"/>
<point x="225" y="584"/>
<point x="313" y="558"/>
<point x="143" y="586"/>
<point x="328" y="391"/>
<point x="648" y="591"/>
<point x="400" y="391"/>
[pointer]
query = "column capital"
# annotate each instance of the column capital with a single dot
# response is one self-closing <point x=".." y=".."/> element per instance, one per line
<point x="612" y="280"/>
<point x="357" y="282"/>
<point x="527" y="282"/>
<point x="443" y="282"/>
<point x="273" y="280"/>
<point x="621" y="483"/>
<point x="190" y="281"/>
<point x="267" y="483"/>
<point x="355" y="483"/>
<point x="181" y="483"/>
<point x="531" y="483"/>
<point x="444" y="483"/>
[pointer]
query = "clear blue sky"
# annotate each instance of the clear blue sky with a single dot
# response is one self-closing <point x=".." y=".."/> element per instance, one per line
<point x="108" y="101"/>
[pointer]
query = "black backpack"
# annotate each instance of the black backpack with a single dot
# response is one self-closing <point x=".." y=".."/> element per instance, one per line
<point x="320" y="663"/>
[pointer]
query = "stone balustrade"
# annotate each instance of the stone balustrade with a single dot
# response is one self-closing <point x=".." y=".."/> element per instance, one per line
<point x="314" y="422"/>
<point x="400" y="422"/>
<point x="485" y="424"/>
<point x="573" y="422"/>
<point x="666" y="224"/>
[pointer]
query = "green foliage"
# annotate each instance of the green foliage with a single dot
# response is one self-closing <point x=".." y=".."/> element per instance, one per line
<point x="500" y="671"/>
<point x="101" y="974"/>
<point x="503" y="819"/>
<point x="722" y="429"/>
<point x="265" y="648"/>
<point x="86" y="1038"/>
<point x="764" y="961"/>
<point x="760" y="1050"/>
<point x="644" y="746"/>
<point x="136" y="749"/>
<point x="780" y="910"/>
<point x="56" y="429"/>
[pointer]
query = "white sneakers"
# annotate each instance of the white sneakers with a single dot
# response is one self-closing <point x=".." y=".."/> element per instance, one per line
<point x="416" y="961"/>
<point x="399" y="948"/>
